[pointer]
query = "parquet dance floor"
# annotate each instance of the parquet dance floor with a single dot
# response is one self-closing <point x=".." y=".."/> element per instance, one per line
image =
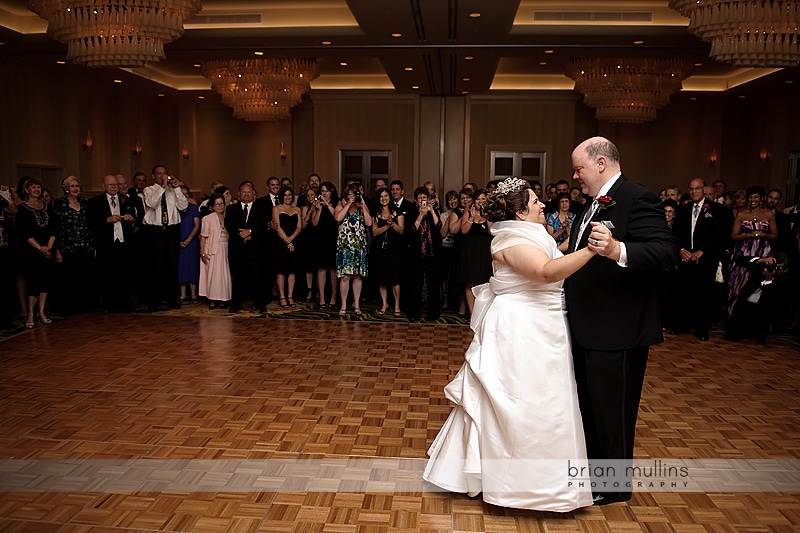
<point x="125" y="387"/>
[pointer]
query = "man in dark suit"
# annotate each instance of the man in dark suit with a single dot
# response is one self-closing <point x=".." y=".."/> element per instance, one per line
<point x="404" y="207"/>
<point x="785" y="242"/>
<point x="247" y="224"/>
<point x="612" y="302"/>
<point x="702" y="228"/>
<point x="112" y="221"/>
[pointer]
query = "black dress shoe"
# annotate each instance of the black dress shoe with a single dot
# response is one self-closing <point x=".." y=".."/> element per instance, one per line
<point x="606" y="498"/>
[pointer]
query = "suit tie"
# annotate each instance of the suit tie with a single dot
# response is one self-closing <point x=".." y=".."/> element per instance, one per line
<point x="275" y="201"/>
<point x="164" y="212"/>
<point x="695" y="215"/>
<point x="585" y="222"/>
<point x="246" y="213"/>
<point x="114" y="202"/>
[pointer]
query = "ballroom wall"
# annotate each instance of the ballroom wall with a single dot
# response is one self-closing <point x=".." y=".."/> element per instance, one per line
<point x="47" y="113"/>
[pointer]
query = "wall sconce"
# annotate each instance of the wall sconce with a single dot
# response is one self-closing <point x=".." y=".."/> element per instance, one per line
<point x="185" y="152"/>
<point x="764" y="155"/>
<point x="137" y="148"/>
<point x="87" y="144"/>
<point x="712" y="159"/>
<point x="282" y="153"/>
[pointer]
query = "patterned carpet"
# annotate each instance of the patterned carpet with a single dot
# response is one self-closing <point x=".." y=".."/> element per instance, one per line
<point x="303" y="311"/>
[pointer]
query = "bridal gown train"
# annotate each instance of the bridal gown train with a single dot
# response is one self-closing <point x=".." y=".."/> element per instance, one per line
<point x="516" y="427"/>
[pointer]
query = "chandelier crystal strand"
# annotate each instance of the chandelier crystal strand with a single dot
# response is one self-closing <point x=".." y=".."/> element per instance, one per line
<point x="752" y="33"/>
<point x="261" y="89"/>
<point x="627" y="89"/>
<point x="115" y="33"/>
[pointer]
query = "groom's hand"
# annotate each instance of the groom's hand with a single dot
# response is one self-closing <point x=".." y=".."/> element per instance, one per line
<point x="603" y="243"/>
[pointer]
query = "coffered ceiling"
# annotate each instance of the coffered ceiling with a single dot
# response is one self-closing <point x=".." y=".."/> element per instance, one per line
<point x="428" y="47"/>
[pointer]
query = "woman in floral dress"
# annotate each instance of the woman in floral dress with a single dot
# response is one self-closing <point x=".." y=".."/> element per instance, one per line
<point x="351" y="246"/>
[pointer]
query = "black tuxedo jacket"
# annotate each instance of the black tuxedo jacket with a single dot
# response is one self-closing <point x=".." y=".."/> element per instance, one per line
<point x="97" y="213"/>
<point x="614" y="308"/>
<point x="137" y="203"/>
<point x="257" y="223"/>
<point x="711" y="233"/>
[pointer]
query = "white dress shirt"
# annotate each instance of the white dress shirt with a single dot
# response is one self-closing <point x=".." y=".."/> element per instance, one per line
<point x="176" y="202"/>
<point x="114" y="207"/>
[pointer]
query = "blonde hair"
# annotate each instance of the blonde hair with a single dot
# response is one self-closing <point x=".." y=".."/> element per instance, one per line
<point x="69" y="179"/>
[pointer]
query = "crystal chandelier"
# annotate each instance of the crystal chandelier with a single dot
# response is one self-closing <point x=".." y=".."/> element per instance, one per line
<point x="627" y="90"/>
<point x="115" y="33"/>
<point x="264" y="88"/>
<point x="747" y="33"/>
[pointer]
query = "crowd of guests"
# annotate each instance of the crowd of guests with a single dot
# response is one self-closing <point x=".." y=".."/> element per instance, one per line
<point x="736" y="249"/>
<point x="157" y="245"/>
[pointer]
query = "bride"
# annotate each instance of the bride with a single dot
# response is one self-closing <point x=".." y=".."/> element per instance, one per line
<point x="516" y="428"/>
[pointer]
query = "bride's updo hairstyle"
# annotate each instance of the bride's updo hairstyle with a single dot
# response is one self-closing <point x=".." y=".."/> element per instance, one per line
<point x="509" y="198"/>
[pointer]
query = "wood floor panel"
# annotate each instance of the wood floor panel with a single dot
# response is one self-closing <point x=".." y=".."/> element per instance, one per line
<point x="172" y="387"/>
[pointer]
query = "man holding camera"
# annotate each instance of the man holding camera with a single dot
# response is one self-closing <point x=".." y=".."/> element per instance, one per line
<point x="163" y="203"/>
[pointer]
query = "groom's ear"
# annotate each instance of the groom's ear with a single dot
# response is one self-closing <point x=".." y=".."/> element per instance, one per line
<point x="601" y="162"/>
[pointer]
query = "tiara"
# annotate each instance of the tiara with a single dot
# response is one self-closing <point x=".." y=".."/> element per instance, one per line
<point x="509" y="185"/>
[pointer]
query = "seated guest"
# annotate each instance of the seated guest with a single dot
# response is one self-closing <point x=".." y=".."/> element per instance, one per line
<point x="215" y="273"/>
<point x="754" y="310"/>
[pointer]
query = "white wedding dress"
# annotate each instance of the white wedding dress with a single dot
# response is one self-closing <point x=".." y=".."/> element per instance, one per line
<point x="516" y="429"/>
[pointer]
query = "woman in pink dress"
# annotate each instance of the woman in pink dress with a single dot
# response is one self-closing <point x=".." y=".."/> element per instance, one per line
<point x="215" y="274"/>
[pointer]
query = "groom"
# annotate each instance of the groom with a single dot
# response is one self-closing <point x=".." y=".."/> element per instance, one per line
<point x="612" y="305"/>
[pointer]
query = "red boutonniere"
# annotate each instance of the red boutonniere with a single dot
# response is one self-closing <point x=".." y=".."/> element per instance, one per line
<point x="604" y="202"/>
<point x="706" y="205"/>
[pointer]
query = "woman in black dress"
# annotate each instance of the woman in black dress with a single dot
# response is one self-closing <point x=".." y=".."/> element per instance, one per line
<point x="286" y="219"/>
<point x="75" y="250"/>
<point x="386" y="250"/>
<point x="326" y="231"/>
<point x="475" y="266"/>
<point x="37" y="236"/>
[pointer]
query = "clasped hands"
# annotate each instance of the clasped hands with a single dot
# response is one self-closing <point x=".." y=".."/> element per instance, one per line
<point x="602" y="242"/>
<point x="691" y="257"/>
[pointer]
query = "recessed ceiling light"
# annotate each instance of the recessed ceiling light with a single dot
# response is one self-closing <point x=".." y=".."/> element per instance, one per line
<point x="543" y="63"/>
<point x="201" y="97"/>
<point x="415" y="86"/>
<point x="397" y="35"/>
<point x="693" y="98"/>
<point x="789" y="81"/>
<point x="468" y="58"/>
<point x="638" y="42"/>
<point x="464" y="79"/>
<point x="698" y="64"/>
<point x="741" y="96"/>
<point x="409" y="69"/>
<point x="548" y="51"/>
<point x="197" y="65"/>
<point x="474" y="15"/>
<point x="117" y="81"/>
<point x="61" y="62"/>
<point x="326" y="43"/>
<point x="160" y="94"/>
<point x="343" y="63"/>
<point x="464" y="92"/>
<point x="258" y="53"/>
